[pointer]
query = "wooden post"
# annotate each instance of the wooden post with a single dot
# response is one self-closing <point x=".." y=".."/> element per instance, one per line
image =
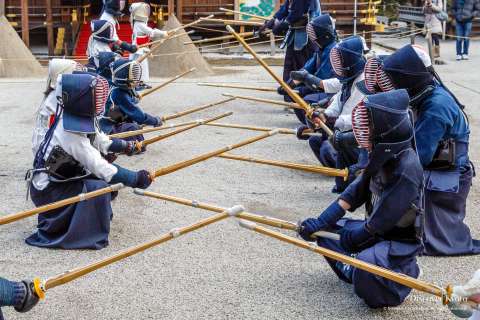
<point x="180" y="10"/>
<point x="430" y="45"/>
<point x="2" y="7"/>
<point x="25" y="23"/>
<point x="50" y="40"/>
<point x="171" y="7"/>
<point x="273" y="46"/>
<point x="412" y="30"/>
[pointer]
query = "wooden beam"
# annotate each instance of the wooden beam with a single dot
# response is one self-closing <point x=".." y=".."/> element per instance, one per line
<point x="171" y="7"/>
<point x="25" y="23"/>
<point x="2" y="7"/>
<point x="179" y="10"/>
<point x="50" y="37"/>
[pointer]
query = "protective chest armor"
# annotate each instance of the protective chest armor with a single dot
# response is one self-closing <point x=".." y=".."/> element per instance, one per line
<point x="62" y="167"/>
<point x="410" y="226"/>
<point x="297" y="33"/>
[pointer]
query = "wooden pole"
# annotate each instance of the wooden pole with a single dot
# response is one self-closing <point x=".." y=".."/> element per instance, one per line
<point x="170" y="7"/>
<point x="245" y="34"/>
<point x="269" y="101"/>
<point x="164" y="136"/>
<point x="25" y="23"/>
<point x="51" y="206"/>
<point x="266" y="220"/>
<point x="205" y="156"/>
<point x="235" y="86"/>
<point x="169" y="117"/>
<point x="179" y="10"/>
<point x="155" y="46"/>
<point x="235" y="22"/>
<point x="50" y="40"/>
<point x="291" y="165"/>
<point x="76" y="273"/>
<point x="400" y="278"/>
<point x="245" y="14"/>
<point x="295" y="97"/>
<point x="152" y="90"/>
<point x="162" y="40"/>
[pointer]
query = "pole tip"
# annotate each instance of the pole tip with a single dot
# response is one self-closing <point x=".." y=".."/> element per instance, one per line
<point x="275" y="131"/>
<point x="139" y="192"/>
<point x="192" y="69"/>
<point x="230" y="29"/>
<point x="117" y="186"/>
<point x="228" y="95"/>
<point x="235" y="210"/>
<point x="247" y="224"/>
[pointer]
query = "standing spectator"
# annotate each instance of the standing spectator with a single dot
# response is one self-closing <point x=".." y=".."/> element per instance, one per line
<point x="464" y="11"/>
<point x="433" y="24"/>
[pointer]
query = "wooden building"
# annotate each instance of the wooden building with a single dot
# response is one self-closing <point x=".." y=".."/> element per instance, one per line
<point x="62" y="25"/>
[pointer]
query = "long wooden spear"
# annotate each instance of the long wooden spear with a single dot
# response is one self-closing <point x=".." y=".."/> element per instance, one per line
<point x="291" y="105"/>
<point x="146" y="142"/>
<point x="81" y="197"/>
<point x="163" y="40"/>
<point x="245" y="14"/>
<point x="157" y="44"/>
<point x="295" y="97"/>
<point x="290" y="165"/>
<point x="170" y="117"/>
<point x="227" y="37"/>
<point x="235" y="22"/>
<point x="400" y="278"/>
<point x="234" y="86"/>
<point x="269" y="221"/>
<point x="41" y="287"/>
<point x="152" y="90"/>
<point x="205" y="156"/>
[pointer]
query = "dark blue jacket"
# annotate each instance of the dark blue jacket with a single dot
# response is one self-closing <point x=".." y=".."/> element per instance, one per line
<point x="293" y="10"/>
<point x="438" y="118"/>
<point x="128" y="105"/>
<point x="319" y="64"/>
<point x="399" y="178"/>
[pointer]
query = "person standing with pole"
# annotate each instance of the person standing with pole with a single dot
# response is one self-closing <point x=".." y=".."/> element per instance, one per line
<point x="464" y="11"/>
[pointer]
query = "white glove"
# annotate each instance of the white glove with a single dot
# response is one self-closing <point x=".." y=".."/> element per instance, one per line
<point x="466" y="299"/>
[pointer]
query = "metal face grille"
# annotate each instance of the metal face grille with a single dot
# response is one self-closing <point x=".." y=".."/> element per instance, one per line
<point x="101" y="94"/>
<point x="370" y="72"/>
<point x="383" y="80"/>
<point x="361" y="126"/>
<point x="336" y="61"/>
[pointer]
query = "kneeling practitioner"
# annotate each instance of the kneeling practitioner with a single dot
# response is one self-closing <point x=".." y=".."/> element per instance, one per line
<point x="390" y="236"/>
<point x="69" y="162"/>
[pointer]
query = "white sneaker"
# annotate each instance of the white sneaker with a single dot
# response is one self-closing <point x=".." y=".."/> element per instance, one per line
<point x="459" y="57"/>
<point x="465" y="57"/>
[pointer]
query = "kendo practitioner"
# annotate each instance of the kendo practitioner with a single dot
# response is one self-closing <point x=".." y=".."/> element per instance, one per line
<point x="46" y="111"/>
<point x="105" y="59"/>
<point x="102" y="39"/>
<point x="292" y="18"/>
<point x="308" y="81"/>
<point x="341" y="151"/>
<point x="390" y="235"/>
<point x="124" y="113"/>
<point x="69" y="162"/>
<point x="442" y="132"/>
<point x="20" y="295"/>
<point x="142" y="34"/>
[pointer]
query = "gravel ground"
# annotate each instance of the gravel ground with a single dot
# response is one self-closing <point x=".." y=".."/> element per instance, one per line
<point x="221" y="271"/>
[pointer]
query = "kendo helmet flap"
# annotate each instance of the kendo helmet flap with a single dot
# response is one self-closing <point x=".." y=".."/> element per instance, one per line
<point x="321" y="30"/>
<point x="61" y="66"/>
<point x="102" y="30"/>
<point x="114" y="7"/>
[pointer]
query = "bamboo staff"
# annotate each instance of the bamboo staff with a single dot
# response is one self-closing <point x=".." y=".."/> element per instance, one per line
<point x="290" y="105"/>
<point x="169" y="117"/>
<point x="295" y="97"/>
<point x="152" y="90"/>
<point x="205" y="156"/>
<point x="290" y="165"/>
<point x="233" y="86"/>
<point x="42" y="287"/>
<point x="269" y="221"/>
<point x="253" y="128"/>
<point x="145" y="143"/>
<point x="170" y="35"/>
<point x="158" y="43"/>
<point x="243" y="34"/>
<point x="371" y="268"/>
<point x="55" y="205"/>
<point x="235" y="22"/>
<point x="162" y="40"/>
<point x="245" y="14"/>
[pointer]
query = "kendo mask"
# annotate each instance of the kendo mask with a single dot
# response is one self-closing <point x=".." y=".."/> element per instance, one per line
<point x="102" y="30"/>
<point x="139" y="11"/>
<point x="126" y="73"/>
<point x="321" y="30"/>
<point x="347" y="58"/>
<point x="57" y="67"/>
<point x="83" y="98"/>
<point x="382" y="125"/>
<point x="408" y="68"/>
<point x="114" y="7"/>
<point x="105" y="59"/>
